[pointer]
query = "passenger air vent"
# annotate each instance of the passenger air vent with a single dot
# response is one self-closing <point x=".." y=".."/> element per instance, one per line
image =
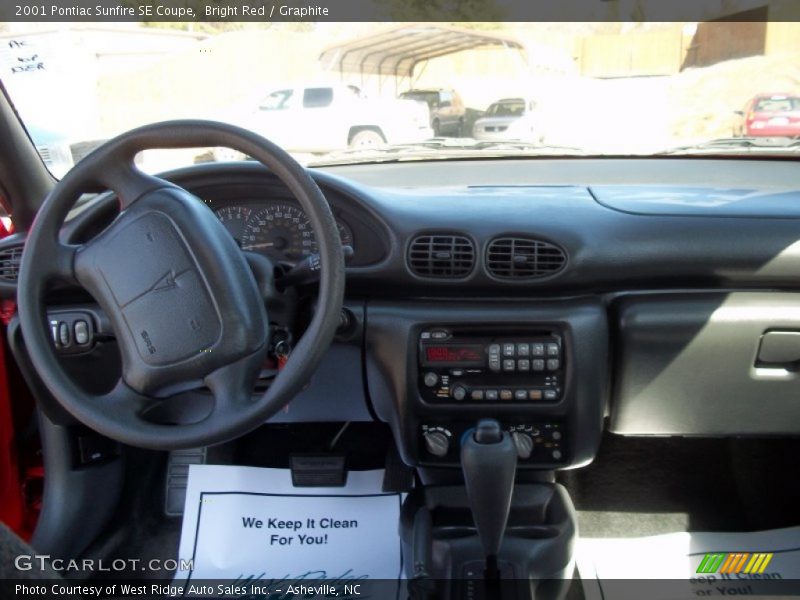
<point x="441" y="255"/>
<point x="523" y="258"/>
<point x="9" y="263"/>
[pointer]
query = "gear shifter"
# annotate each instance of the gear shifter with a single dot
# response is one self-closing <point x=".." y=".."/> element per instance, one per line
<point x="489" y="463"/>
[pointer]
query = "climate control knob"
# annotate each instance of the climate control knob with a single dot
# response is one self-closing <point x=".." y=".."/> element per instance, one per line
<point x="430" y="379"/>
<point x="459" y="392"/>
<point x="437" y="443"/>
<point x="524" y="444"/>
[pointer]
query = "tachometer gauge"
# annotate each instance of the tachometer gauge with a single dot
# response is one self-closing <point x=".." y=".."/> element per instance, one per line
<point x="283" y="232"/>
<point x="235" y="219"/>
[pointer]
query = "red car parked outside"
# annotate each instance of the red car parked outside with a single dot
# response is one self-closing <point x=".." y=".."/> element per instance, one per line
<point x="773" y="115"/>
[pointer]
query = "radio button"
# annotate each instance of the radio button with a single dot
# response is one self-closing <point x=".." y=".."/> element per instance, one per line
<point x="552" y="349"/>
<point x="509" y="364"/>
<point x="550" y="395"/>
<point x="476" y="394"/>
<point x="520" y="395"/>
<point x="538" y="364"/>
<point x="537" y="349"/>
<point x="494" y="357"/>
<point x="491" y="394"/>
<point x="439" y="334"/>
<point x="553" y="364"/>
<point x="523" y="349"/>
<point x="506" y="395"/>
<point x="459" y="392"/>
<point x="535" y="394"/>
<point x="523" y="364"/>
<point x="508" y="349"/>
<point x="430" y="379"/>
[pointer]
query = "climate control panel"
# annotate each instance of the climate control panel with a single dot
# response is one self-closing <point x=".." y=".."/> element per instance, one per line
<point x="455" y="367"/>
<point x="537" y="443"/>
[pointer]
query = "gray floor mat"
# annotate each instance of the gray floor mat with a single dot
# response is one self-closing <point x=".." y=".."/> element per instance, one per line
<point x="648" y="486"/>
<point x="625" y="524"/>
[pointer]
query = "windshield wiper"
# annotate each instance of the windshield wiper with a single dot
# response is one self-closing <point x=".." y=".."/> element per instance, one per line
<point x="735" y="145"/>
<point x="441" y="148"/>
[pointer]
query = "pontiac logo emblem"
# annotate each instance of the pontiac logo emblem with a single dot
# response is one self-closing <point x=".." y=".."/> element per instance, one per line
<point x="166" y="282"/>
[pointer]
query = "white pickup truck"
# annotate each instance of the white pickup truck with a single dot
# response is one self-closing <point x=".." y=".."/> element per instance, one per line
<point x="324" y="118"/>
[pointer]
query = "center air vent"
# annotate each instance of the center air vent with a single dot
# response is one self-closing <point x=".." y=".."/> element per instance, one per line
<point x="441" y="255"/>
<point x="523" y="258"/>
<point x="9" y="263"/>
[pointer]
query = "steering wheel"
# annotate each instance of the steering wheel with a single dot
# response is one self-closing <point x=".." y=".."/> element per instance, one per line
<point x="180" y="297"/>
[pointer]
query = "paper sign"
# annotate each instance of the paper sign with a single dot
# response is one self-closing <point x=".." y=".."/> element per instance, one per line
<point x="21" y="55"/>
<point x="245" y="524"/>
<point x="679" y="566"/>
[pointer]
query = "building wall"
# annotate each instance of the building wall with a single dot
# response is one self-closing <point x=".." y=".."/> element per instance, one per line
<point x="681" y="46"/>
<point x="717" y="41"/>
<point x="632" y="54"/>
<point x="782" y="37"/>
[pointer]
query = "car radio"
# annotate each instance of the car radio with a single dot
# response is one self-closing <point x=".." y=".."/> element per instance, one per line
<point x="490" y="369"/>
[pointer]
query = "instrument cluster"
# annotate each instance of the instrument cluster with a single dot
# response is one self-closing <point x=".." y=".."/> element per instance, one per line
<point x="278" y="229"/>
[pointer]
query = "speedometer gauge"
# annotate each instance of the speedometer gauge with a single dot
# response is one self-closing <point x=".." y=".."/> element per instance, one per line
<point x="283" y="232"/>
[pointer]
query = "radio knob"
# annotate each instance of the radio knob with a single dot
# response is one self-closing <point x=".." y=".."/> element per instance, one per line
<point x="436" y="443"/>
<point x="523" y="443"/>
<point x="430" y="379"/>
<point x="459" y="392"/>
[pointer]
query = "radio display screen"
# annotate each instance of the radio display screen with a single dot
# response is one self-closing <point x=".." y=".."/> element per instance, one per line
<point x="455" y="355"/>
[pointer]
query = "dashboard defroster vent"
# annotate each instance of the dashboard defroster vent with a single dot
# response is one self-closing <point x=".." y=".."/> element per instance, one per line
<point x="9" y="263"/>
<point x="523" y="258"/>
<point x="441" y="255"/>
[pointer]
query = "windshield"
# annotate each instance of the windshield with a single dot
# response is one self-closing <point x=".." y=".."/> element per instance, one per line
<point x="363" y="92"/>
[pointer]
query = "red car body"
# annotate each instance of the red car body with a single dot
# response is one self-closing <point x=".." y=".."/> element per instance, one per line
<point x="772" y="115"/>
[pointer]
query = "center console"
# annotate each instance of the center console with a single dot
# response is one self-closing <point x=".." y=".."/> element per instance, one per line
<point x="540" y="368"/>
<point x="486" y="402"/>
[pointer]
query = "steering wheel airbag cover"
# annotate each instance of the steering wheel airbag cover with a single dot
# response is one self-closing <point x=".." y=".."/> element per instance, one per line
<point x="151" y="271"/>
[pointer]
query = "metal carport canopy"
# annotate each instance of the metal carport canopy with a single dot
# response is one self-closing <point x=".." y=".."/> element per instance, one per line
<point x="395" y="52"/>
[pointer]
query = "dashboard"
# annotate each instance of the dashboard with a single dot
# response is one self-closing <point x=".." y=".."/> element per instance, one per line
<point x="564" y="297"/>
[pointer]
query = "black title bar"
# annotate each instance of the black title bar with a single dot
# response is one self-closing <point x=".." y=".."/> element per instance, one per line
<point x="265" y="11"/>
